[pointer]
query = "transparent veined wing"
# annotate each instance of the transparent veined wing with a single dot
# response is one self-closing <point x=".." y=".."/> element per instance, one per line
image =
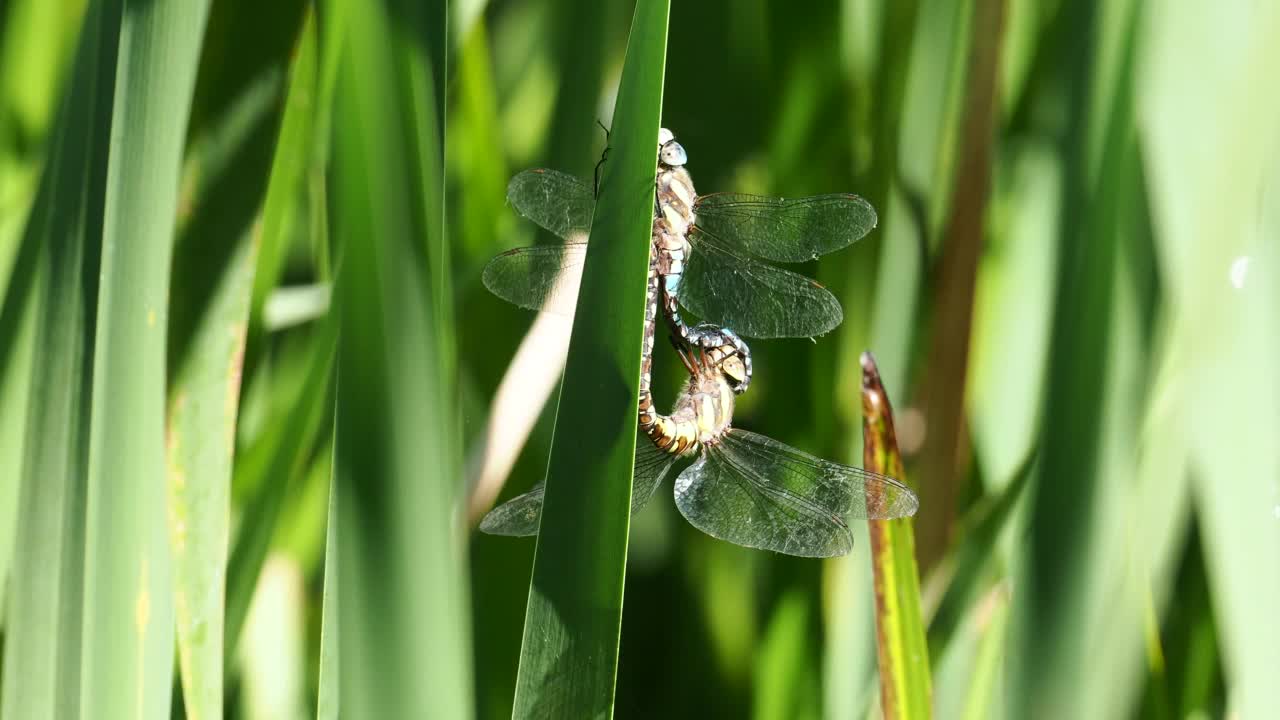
<point x="517" y="517"/>
<point x="752" y="298"/>
<point x="557" y="202"/>
<point x="542" y="277"/>
<point x="757" y="492"/>
<point x="520" y="515"/>
<point x="783" y="230"/>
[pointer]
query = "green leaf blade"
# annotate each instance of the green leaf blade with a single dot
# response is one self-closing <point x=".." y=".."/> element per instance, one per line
<point x="402" y="620"/>
<point x="43" y="636"/>
<point x="905" y="683"/>
<point x="568" y="662"/>
<point x="127" y="564"/>
<point x="213" y="275"/>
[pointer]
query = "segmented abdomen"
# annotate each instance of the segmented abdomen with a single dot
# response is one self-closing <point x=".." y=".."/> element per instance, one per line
<point x="668" y="434"/>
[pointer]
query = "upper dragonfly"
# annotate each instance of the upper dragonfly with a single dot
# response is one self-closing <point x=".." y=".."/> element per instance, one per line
<point x="724" y="278"/>
<point x="745" y="488"/>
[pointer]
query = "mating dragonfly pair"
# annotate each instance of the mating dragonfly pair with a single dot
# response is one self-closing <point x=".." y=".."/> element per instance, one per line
<point x="709" y="255"/>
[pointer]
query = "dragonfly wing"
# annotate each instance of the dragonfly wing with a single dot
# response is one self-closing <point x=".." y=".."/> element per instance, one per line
<point x="786" y="230"/>
<point x="755" y="491"/>
<point x="520" y="515"/>
<point x="752" y="298"/>
<point x="542" y="277"/>
<point x="652" y="465"/>
<point x="517" y="517"/>
<point x="557" y="202"/>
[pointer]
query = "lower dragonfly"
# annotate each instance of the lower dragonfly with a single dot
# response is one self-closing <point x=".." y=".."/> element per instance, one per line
<point x="715" y="261"/>
<point x="744" y="488"/>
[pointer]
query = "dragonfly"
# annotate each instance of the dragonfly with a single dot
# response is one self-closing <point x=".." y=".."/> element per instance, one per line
<point x="715" y="258"/>
<point x="742" y="487"/>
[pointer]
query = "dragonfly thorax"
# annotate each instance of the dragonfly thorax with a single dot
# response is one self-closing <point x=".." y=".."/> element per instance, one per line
<point x="676" y="197"/>
<point x="705" y="406"/>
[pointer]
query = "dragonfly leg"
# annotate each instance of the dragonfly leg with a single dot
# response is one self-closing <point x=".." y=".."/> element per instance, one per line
<point x="683" y="350"/>
<point x="603" y="156"/>
<point x="704" y="335"/>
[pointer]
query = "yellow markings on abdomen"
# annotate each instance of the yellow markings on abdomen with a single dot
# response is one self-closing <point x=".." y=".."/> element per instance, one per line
<point x="672" y="436"/>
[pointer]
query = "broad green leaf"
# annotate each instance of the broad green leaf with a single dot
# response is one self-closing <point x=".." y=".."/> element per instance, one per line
<point x="126" y="537"/>
<point x="213" y="277"/>
<point x="213" y="271"/>
<point x="1213" y="163"/>
<point x="200" y="443"/>
<point x="1079" y="502"/>
<point x="402" y="618"/>
<point x="42" y="662"/>
<point x="36" y="37"/>
<point x="905" y="685"/>
<point x="568" y="661"/>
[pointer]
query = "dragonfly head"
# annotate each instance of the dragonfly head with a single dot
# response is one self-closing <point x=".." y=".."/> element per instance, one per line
<point x="670" y="152"/>
<point x="725" y="360"/>
<point x="734" y="369"/>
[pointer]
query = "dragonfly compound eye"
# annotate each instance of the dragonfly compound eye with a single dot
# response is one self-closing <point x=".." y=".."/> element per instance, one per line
<point x="733" y="369"/>
<point x="673" y="154"/>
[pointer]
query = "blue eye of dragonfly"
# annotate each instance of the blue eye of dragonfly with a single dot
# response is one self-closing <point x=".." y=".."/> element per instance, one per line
<point x="673" y="154"/>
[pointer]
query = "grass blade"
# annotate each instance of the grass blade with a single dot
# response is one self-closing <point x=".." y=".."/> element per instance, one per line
<point x="17" y="331"/>
<point x="33" y="59"/>
<point x="992" y="622"/>
<point x="44" y="616"/>
<point x="273" y="466"/>
<point x="402" y="600"/>
<point x="127" y="559"/>
<point x="213" y="274"/>
<point x="971" y="565"/>
<point x="199" y="447"/>
<point x="568" y="661"/>
<point x="275" y="459"/>
<point x="1077" y="498"/>
<point x="944" y="457"/>
<point x="905" y="687"/>
<point x="327" y="683"/>
<point x="891" y="251"/>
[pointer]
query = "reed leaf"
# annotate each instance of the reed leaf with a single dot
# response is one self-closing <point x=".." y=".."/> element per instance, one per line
<point x="127" y="554"/>
<point x="568" y="661"/>
<point x="905" y="684"/>
<point x="43" y="629"/>
<point x="402" y="620"/>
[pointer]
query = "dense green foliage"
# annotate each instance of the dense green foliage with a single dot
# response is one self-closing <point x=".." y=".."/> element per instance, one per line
<point x="1073" y="295"/>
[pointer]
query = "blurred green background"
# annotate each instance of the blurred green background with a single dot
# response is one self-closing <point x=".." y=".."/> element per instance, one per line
<point x="1073" y="295"/>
